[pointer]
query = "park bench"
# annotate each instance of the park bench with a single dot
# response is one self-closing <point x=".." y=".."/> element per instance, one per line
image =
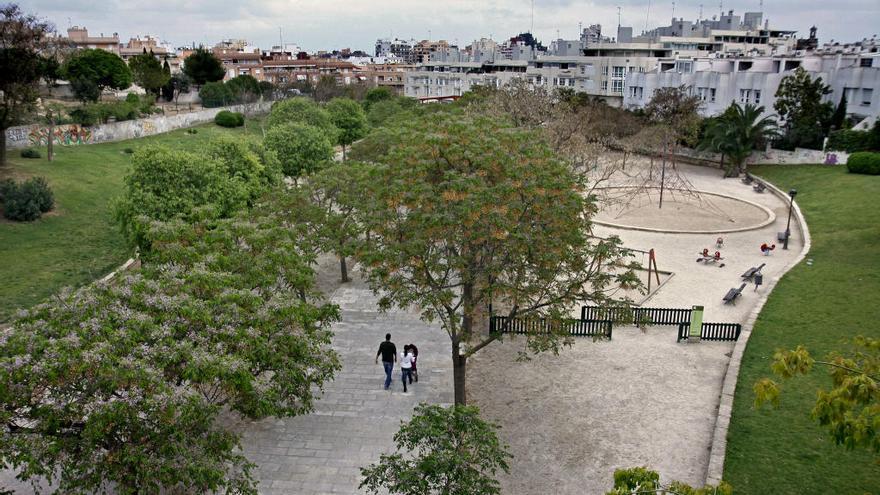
<point x="751" y="272"/>
<point x="759" y="187"/>
<point x="748" y="179"/>
<point x="733" y="293"/>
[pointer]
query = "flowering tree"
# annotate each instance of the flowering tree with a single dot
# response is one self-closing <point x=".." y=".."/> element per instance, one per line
<point x="122" y="383"/>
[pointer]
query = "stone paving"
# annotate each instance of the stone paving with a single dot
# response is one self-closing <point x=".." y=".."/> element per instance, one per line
<point x="355" y="420"/>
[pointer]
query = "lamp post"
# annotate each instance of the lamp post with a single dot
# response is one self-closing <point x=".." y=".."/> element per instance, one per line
<point x="791" y="194"/>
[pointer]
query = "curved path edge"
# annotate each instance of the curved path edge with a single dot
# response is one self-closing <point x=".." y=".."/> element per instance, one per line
<point x="718" y="448"/>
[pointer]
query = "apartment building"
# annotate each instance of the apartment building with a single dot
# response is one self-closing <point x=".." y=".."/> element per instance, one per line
<point x="79" y="38"/>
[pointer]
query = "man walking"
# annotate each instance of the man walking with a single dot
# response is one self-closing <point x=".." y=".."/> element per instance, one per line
<point x="388" y="351"/>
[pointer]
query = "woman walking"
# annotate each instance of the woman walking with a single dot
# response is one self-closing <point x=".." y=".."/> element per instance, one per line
<point x="406" y="361"/>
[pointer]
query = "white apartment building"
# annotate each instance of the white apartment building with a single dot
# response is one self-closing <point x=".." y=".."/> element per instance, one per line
<point x="722" y="81"/>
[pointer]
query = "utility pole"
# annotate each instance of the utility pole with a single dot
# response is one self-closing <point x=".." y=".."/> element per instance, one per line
<point x="618" y="18"/>
<point x="673" y="10"/>
<point x="532" y="26"/>
<point x="647" y="15"/>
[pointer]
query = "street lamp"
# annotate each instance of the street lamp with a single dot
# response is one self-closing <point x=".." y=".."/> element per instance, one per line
<point x="791" y="194"/>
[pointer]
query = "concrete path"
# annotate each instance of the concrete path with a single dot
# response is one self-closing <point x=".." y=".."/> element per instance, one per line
<point x="355" y="420"/>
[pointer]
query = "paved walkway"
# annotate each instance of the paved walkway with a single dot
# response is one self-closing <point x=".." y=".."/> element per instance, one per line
<point x="355" y="420"/>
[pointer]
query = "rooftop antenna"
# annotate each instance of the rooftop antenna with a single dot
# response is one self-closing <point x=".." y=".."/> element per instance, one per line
<point x="280" y="41"/>
<point x="647" y="15"/>
<point x="532" y="26"/>
<point x="701" y="13"/>
<point x="618" y="17"/>
<point x="673" y="11"/>
<point x="721" y="6"/>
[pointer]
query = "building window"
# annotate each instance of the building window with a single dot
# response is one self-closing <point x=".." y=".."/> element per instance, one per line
<point x="605" y="70"/>
<point x="744" y="95"/>
<point x="563" y="66"/>
<point x="712" y="95"/>
<point x="618" y="71"/>
<point x="604" y="85"/>
<point x="757" y="96"/>
<point x="617" y="86"/>
<point x="867" y="94"/>
<point x="571" y="82"/>
<point x="865" y="62"/>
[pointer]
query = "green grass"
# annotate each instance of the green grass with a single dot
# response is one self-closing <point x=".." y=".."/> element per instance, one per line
<point x="78" y="241"/>
<point x="783" y="451"/>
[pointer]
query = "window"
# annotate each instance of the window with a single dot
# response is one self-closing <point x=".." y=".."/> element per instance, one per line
<point x="712" y="94"/>
<point x="867" y="93"/>
<point x="605" y="70"/>
<point x="571" y="82"/>
<point x="865" y="62"/>
<point x="563" y="66"/>
<point x="757" y="96"/>
<point x="684" y="67"/>
<point x="604" y="85"/>
<point x="617" y="86"/>
<point x="618" y="71"/>
<point x="744" y="95"/>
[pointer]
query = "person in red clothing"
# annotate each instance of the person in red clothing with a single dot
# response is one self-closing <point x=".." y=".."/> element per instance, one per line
<point x="415" y="353"/>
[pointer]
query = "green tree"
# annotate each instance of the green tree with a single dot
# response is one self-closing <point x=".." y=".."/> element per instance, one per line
<point x="441" y="451"/>
<point x="215" y="94"/>
<point x="22" y="38"/>
<point x="678" y="110"/>
<point x="302" y="149"/>
<point x="349" y="117"/>
<point x="464" y="213"/>
<point x="738" y="132"/>
<point x="806" y="119"/>
<point x="90" y="71"/>
<point x="203" y="67"/>
<point x="850" y="411"/>
<point x="124" y="384"/>
<point x="168" y="88"/>
<point x="304" y="111"/>
<point x="641" y="480"/>
<point x="838" y="120"/>
<point x="244" y="89"/>
<point x="148" y="72"/>
<point x="179" y="83"/>
<point x="375" y="95"/>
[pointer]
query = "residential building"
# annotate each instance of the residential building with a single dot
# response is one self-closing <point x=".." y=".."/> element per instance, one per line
<point x="79" y="38"/>
<point x="283" y="72"/>
<point x="402" y="49"/>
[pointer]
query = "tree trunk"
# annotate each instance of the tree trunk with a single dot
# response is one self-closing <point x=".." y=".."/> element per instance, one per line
<point x="2" y="147"/>
<point x="459" y="373"/>
<point x="51" y="138"/>
<point x="343" y="151"/>
<point x="343" y="269"/>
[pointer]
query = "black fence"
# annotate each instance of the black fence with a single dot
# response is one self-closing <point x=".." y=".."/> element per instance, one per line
<point x="712" y="331"/>
<point x="647" y="316"/>
<point x="577" y="328"/>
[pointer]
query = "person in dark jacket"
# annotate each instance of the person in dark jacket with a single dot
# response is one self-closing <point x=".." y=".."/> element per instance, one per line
<point x="388" y="351"/>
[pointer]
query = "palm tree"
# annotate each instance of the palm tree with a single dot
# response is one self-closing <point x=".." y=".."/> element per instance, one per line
<point x="736" y="133"/>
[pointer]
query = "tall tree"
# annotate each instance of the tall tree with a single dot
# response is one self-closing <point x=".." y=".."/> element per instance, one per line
<point x="839" y="117"/>
<point x="441" y="451"/>
<point x="148" y="72"/>
<point x="737" y="133"/>
<point x="302" y="149"/>
<point x="244" y="89"/>
<point x="304" y="111"/>
<point x="90" y="71"/>
<point x="806" y="119"/>
<point x="203" y="67"/>
<point x="464" y="213"/>
<point x="22" y="38"/>
<point x="677" y="112"/>
<point x="349" y="117"/>
<point x="168" y="87"/>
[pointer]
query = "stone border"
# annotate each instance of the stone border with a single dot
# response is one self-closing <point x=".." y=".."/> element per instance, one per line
<point x="718" y="449"/>
<point x="771" y="217"/>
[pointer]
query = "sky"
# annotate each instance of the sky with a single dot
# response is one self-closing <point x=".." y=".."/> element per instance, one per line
<point x="332" y="24"/>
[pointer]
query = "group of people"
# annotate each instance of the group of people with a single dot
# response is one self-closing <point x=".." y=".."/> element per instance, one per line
<point x="408" y="359"/>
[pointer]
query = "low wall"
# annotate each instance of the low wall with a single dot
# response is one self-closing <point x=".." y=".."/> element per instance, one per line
<point x="773" y="157"/>
<point x="75" y="134"/>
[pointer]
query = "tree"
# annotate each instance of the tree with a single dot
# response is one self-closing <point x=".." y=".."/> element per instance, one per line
<point x="302" y="149"/>
<point x="375" y="95"/>
<point x="22" y="38"/>
<point x="442" y="451"/>
<point x="148" y="72"/>
<point x="464" y="213"/>
<point x="333" y="193"/>
<point x="90" y="71"/>
<point x="838" y="120"/>
<point x="805" y="118"/>
<point x="304" y="111"/>
<point x="641" y="480"/>
<point x="179" y="83"/>
<point x="349" y="117"/>
<point x="215" y="94"/>
<point x="168" y="87"/>
<point x="850" y="411"/>
<point x="124" y="384"/>
<point x="736" y="133"/>
<point x="244" y="89"/>
<point x="203" y="67"/>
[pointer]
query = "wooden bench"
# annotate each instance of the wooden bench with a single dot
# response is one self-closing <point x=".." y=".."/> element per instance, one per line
<point x="751" y="272"/>
<point x="732" y="294"/>
<point x="759" y="187"/>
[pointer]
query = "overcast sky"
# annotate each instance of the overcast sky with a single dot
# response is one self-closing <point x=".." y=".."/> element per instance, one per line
<point x="328" y="24"/>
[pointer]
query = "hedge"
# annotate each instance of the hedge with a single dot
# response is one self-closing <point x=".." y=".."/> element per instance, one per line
<point x="853" y="141"/>
<point x="226" y="118"/>
<point x="864" y="162"/>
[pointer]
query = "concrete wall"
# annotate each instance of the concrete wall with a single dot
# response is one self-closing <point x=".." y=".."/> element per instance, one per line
<point x="776" y="157"/>
<point x="74" y="134"/>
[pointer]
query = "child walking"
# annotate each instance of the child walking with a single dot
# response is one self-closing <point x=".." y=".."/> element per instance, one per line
<point x="406" y="361"/>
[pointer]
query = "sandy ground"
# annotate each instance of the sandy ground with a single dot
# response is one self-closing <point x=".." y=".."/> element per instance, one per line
<point x="641" y="399"/>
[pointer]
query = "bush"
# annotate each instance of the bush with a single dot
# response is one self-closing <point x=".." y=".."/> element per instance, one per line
<point x="26" y="201"/>
<point x="853" y="141"/>
<point x="128" y="150"/>
<point x="864" y="162"/>
<point x="30" y="153"/>
<point x="215" y="94"/>
<point x="192" y="131"/>
<point x="226" y="118"/>
<point x="132" y="98"/>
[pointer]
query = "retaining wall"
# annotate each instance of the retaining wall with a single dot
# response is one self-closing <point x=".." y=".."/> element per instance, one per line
<point x="772" y="157"/>
<point x="75" y="134"/>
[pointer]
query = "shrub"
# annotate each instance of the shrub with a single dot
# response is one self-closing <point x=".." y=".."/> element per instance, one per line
<point x="864" y="162"/>
<point x="128" y="150"/>
<point x="26" y="201"/>
<point x="853" y="141"/>
<point x="132" y="98"/>
<point x="192" y="131"/>
<point x="226" y="118"/>
<point x="30" y="153"/>
<point x="6" y="185"/>
<point x="215" y="94"/>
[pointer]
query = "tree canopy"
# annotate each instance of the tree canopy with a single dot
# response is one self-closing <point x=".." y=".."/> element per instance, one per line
<point x="244" y="88"/>
<point x="441" y="451"/>
<point x="203" y="67"/>
<point x="465" y="212"/>
<point x="806" y="119"/>
<point x="148" y="72"/>
<point x="302" y="149"/>
<point x="736" y="133"/>
<point x="304" y="111"/>
<point x="92" y="70"/>
<point x="349" y="118"/>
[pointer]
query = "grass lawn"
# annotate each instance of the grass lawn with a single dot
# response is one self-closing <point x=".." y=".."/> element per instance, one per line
<point x="783" y="451"/>
<point x="78" y="241"/>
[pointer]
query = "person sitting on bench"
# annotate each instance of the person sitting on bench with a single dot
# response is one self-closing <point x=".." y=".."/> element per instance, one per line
<point x="751" y="272"/>
<point x="759" y="187"/>
<point x="732" y="294"/>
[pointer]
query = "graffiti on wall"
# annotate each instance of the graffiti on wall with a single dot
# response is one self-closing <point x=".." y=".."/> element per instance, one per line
<point x="65" y="135"/>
